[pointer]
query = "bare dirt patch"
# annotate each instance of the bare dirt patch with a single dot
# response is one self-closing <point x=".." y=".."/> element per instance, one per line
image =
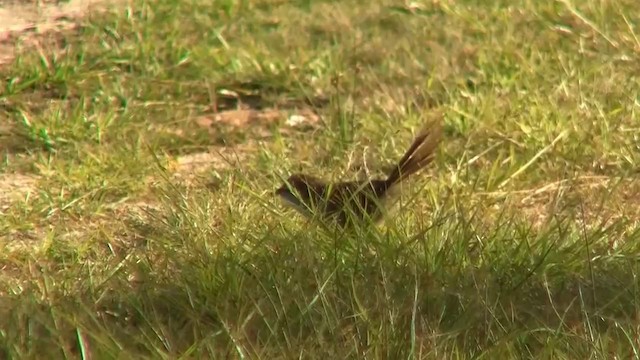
<point x="23" y="22"/>
<point x="194" y="169"/>
<point x="590" y="201"/>
<point x="13" y="186"/>
<point x="260" y="120"/>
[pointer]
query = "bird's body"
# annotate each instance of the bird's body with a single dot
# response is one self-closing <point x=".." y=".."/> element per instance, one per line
<point x="339" y="200"/>
<point x="356" y="200"/>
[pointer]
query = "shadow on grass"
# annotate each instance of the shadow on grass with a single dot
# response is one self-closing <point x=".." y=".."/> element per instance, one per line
<point x="262" y="293"/>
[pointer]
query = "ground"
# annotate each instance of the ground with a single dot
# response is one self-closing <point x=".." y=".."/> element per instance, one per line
<point x="142" y="141"/>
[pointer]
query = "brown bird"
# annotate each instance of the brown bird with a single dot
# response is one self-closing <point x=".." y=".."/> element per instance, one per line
<point x="346" y="202"/>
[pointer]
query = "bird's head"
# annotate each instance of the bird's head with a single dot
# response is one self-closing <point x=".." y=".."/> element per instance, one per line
<point x="297" y="191"/>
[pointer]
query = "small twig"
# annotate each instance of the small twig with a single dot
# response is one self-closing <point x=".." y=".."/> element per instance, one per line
<point x="485" y="152"/>
<point x="364" y="162"/>
<point x="632" y="32"/>
<point x="546" y="188"/>
<point x="533" y="159"/>
<point x="575" y="13"/>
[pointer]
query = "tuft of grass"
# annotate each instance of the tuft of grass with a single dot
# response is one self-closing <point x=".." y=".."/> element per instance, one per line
<point x="520" y="241"/>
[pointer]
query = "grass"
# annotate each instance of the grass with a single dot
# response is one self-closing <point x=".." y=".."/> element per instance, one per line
<point x="521" y="241"/>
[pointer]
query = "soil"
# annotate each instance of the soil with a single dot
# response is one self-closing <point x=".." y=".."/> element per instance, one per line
<point x="23" y="22"/>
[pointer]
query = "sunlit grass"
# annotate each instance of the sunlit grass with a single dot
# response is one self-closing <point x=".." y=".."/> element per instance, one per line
<point x="520" y="241"/>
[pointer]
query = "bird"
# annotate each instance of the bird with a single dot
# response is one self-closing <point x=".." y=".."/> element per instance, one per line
<point x="349" y="202"/>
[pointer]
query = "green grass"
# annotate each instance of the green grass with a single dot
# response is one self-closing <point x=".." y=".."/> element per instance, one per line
<point x="521" y="240"/>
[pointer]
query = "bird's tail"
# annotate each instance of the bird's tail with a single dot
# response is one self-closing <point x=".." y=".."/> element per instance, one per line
<point x="419" y="155"/>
